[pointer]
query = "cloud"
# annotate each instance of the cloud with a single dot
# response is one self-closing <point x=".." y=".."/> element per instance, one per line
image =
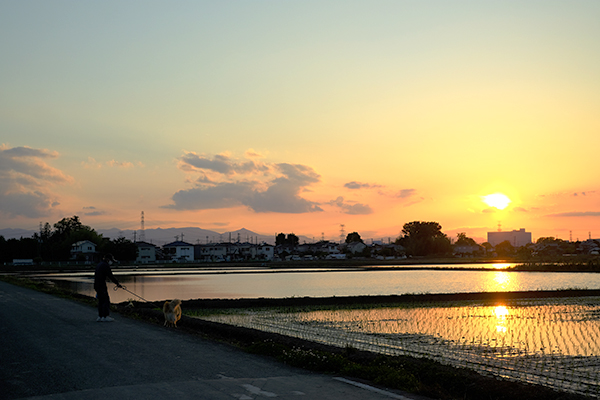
<point x="576" y="214"/>
<point x="221" y="164"/>
<point x="92" y="211"/>
<point x="352" y="209"/>
<point x="406" y="193"/>
<point x="92" y="163"/>
<point x="225" y="182"/>
<point x="26" y="179"/>
<point x="359" y="185"/>
<point x="583" y="193"/>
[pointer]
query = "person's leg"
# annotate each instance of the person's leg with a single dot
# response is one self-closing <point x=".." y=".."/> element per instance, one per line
<point x="103" y="304"/>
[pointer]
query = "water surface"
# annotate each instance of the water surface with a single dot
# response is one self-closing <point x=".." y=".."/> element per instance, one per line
<point x="153" y="285"/>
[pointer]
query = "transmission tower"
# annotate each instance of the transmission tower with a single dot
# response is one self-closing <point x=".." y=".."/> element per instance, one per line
<point x="142" y="229"/>
<point x="342" y="233"/>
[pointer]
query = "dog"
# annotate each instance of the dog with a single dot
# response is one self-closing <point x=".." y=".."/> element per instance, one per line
<point x="172" y="312"/>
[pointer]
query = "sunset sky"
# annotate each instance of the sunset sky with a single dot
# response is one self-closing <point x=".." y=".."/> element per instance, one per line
<point x="300" y="116"/>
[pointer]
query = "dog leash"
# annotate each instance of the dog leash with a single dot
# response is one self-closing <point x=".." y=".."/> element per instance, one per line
<point x="127" y="290"/>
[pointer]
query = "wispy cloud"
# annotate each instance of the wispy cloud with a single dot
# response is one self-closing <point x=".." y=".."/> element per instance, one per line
<point x="26" y="181"/>
<point x="224" y="182"/>
<point x="576" y="214"/>
<point x="351" y="207"/>
<point x="360" y="185"/>
<point x="91" y="163"/>
<point x="92" y="212"/>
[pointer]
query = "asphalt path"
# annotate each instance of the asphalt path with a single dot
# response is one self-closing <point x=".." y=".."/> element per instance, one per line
<point x="53" y="348"/>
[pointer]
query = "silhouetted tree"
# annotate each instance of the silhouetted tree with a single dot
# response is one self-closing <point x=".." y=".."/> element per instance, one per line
<point x="353" y="237"/>
<point x="463" y="240"/>
<point x="280" y="239"/>
<point x="293" y="240"/>
<point x="122" y="249"/>
<point x="55" y="244"/>
<point x="290" y="241"/>
<point x="424" y="239"/>
<point x="505" y="249"/>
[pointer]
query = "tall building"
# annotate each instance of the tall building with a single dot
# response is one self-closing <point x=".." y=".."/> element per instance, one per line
<point x="516" y="238"/>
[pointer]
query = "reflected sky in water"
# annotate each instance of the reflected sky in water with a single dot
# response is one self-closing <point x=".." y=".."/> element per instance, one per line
<point x="194" y="285"/>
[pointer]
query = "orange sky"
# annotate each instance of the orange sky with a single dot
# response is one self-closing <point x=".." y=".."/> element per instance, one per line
<point x="302" y="116"/>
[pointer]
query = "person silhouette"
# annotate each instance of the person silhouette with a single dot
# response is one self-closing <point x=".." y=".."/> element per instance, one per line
<point x="103" y="272"/>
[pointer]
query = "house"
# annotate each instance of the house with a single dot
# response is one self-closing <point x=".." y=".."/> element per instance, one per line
<point x="179" y="251"/>
<point x="265" y="252"/>
<point x="218" y="252"/>
<point x="468" y="250"/>
<point x="356" y="247"/>
<point x="146" y="253"/>
<point x="83" y="250"/>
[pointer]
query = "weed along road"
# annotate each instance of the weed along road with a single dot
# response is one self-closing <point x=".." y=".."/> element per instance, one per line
<point x="53" y="348"/>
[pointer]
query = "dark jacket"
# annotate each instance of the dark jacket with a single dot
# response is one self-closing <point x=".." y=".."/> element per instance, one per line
<point x="103" y="271"/>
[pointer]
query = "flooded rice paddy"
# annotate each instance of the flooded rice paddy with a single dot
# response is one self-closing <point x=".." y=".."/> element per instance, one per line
<point x="552" y="342"/>
<point x="235" y="283"/>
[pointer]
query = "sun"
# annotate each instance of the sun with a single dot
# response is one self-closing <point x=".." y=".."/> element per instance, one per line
<point x="497" y="200"/>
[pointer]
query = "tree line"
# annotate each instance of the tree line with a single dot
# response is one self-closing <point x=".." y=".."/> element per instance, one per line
<point x="53" y="243"/>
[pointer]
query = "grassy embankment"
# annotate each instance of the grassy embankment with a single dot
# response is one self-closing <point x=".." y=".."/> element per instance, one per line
<point x="420" y="376"/>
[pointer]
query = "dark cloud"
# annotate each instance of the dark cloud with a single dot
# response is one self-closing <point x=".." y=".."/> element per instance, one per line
<point x="28" y="204"/>
<point x="221" y="164"/>
<point x="270" y="187"/>
<point x="25" y="181"/>
<point x="577" y="214"/>
<point x="91" y="211"/>
<point x="406" y="193"/>
<point x="359" y="185"/>
<point x="351" y="208"/>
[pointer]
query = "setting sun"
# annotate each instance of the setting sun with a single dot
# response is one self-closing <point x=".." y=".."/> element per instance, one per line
<point x="497" y="200"/>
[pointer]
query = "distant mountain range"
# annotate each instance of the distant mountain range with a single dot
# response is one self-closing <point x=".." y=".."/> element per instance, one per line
<point x="159" y="236"/>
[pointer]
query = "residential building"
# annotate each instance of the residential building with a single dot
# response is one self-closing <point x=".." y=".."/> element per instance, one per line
<point x="179" y="251"/>
<point x="84" y="250"/>
<point x="219" y="252"/>
<point x="146" y="253"/>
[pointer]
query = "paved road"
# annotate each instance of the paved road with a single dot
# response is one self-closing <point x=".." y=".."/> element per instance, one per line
<point x="53" y="348"/>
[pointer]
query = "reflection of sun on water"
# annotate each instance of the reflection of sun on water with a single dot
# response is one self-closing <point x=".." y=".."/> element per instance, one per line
<point x="501" y="312"/>
<point x="501" y="281"/>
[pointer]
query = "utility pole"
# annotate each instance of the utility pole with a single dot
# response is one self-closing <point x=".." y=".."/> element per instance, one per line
<point x="142" y="229"/>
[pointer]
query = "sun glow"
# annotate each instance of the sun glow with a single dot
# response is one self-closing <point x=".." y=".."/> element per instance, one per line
<point x="497" y="200"/>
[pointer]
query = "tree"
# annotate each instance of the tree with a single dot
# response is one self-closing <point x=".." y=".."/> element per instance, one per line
<point x="505" y="249"/>
<point x="463" y="240"/>
<point x="290" y="241"/>
<point x="55" y="244"/>
<point x="280" y="239"/>
<point x="424" y="239"/>
<point x="122" y="249"/>
<point x="353" y="237"/>
<point x="293" y="240"/>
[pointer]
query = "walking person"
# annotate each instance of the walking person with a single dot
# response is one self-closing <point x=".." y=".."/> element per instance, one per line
<point x="103" y="272"/>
